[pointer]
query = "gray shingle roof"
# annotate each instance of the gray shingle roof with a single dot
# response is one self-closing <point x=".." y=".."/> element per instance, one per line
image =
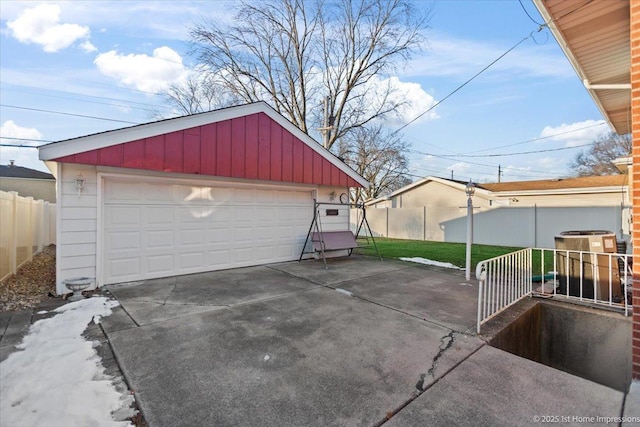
<point x="7" y="171"/>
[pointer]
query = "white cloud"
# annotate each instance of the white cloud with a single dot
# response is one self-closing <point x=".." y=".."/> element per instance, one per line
<point x="10" y="129"/>
<point x="575" y="134"/>
<point x="41" y="25"/>
<point x="88" y="47"/>
<point x="144" y="72"/>
<point x="26" y="157"/>
<point x="417" y="101"/>
<point x="460" y="167"/>
<point x="412" y="98"/>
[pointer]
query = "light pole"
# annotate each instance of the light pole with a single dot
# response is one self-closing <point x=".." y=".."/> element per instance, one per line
<point x="470" y="190"/>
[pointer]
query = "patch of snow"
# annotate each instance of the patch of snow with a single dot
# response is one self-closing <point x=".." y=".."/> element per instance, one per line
<point x="266" y="357"/>
<point x="342" y="291"/>
<point x="58" y="378"/>
<point x="431" y="262"/>
<point x="43" y="312"/>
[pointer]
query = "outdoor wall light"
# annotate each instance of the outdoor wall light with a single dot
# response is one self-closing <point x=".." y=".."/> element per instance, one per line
<point x="79" y="183"/>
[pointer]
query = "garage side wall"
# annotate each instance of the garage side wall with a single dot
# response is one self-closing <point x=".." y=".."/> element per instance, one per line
<point x="77" y="224"/>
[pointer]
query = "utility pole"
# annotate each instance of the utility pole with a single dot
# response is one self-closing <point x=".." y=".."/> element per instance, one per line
<point x="500" y="172"/>
<point x="327" y="125"/>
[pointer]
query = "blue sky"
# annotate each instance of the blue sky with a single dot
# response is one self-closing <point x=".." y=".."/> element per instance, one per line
<point x="107" y="59"/>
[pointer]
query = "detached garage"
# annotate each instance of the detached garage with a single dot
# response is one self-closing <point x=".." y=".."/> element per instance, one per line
<point x="228" y="188"/>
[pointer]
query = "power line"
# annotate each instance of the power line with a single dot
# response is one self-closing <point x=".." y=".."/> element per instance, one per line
<point x="67" y="114"/>
<point x="530" y="17"/>
<point x="18" y="146"/>
<point x="485" y="165"/>
<point x="125" y="102"/>
<point x="525" y="152"/>
<point x="25" y="139"/>
<point x="540" y="138"/>
<point x="465" y="83"/>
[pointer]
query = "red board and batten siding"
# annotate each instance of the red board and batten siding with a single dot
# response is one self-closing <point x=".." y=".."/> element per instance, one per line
<point x="635" y="130"/>
<point x="249" y="147"/>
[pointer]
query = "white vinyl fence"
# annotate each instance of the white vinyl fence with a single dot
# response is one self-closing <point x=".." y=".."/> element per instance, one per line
<point x="26" y="226"/>
<point x="530" y="226"/>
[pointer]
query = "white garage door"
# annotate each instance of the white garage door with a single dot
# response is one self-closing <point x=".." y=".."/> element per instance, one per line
<point x="156" y="229"/>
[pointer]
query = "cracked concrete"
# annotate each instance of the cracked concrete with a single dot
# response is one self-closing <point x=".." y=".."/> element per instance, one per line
<point x="281" y="345"/>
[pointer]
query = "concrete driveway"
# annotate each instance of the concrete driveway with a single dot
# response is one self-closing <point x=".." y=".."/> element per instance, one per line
<point x="294" y="344"/>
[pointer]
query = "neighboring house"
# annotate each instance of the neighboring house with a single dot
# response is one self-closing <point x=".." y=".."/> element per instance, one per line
<point x="28" y="182"/>
<point x="228" y="188"/>
<point x="431" y="192"/>
<point x="575" y="192"/>
<point x="602" y="41"/>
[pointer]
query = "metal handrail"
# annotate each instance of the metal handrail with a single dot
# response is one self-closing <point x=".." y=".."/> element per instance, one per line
<point x="503" y="281"/>
<point x="581" y="276"/>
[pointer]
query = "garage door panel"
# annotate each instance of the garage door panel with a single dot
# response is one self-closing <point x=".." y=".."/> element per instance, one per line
<point x="243" y="235"/>
<point x="122" y="191"/>
<point x="190" y="214"/>
<point x="191" y="237"/>
<point x="125" y="216"/>
<point x="159" y="229"/>
<point x="160" y="264"/>
<point x="244" y="196"/>
<point x="125" y="267"/>
<point x="220" y="217"/>
<point x="159" y="215"/>
<point x="160" y="239"/>
<point x="191" y="260"/>
<point x="219" y="236"/>
<point x="243" y="255"/>
<point x="243" y="214"/>
<point x="159" y="193"/>
<point x="265" y="215"/>
<point x="124" y="240"/>
<point x="218" y="257"/>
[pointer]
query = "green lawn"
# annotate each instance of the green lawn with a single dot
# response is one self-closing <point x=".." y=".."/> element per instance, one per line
<point x="454" y="253"/>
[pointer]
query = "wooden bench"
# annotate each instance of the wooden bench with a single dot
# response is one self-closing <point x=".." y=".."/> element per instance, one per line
<point x="333" y="241"/>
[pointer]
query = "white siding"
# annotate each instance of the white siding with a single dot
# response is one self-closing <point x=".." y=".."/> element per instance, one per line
<point x="76" y="224"/>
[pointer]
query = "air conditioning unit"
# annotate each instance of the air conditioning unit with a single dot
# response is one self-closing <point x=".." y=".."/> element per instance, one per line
<point x="584" y="274"/>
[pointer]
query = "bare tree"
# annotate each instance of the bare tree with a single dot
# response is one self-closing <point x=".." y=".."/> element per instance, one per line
<point x="200" y="91"/>
<point x="598" y="158"/>
<point x="378" y="156"/>
<point x="294" y="53"/>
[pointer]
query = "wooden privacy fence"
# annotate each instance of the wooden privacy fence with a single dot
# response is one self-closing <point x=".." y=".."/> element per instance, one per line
<point x="26" y="226"/>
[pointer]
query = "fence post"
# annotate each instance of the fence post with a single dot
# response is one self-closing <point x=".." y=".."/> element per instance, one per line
<point x="13" y="246"/>
<point x="30" y="233"/>
<point x="40" y="225"/>
<point x="45" y="224"/>
<point x="386" y="221"/>
<point x="424" y="223"/>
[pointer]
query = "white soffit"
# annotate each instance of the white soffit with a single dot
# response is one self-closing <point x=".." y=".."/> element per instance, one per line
<point x="595" y="37"/>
